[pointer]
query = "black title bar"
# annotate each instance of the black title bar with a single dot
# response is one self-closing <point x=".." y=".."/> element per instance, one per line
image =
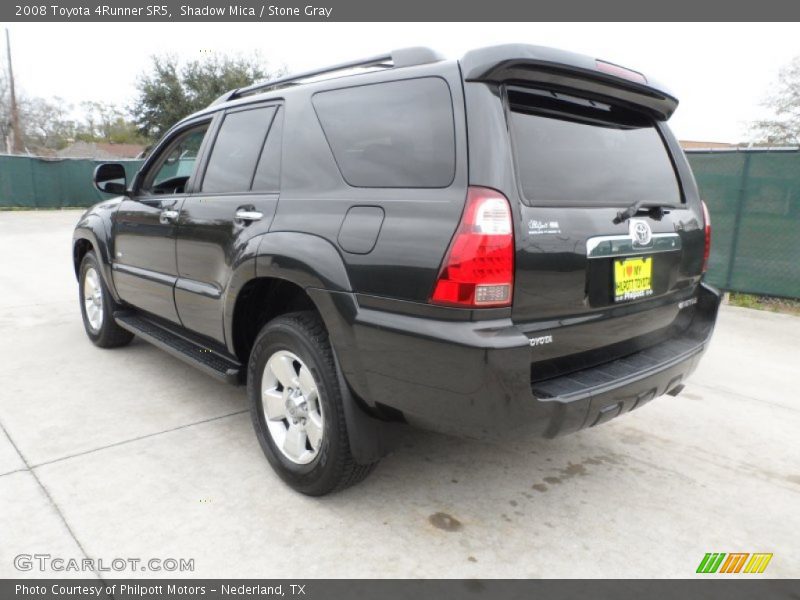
<point x="403" y="10"/>
<point x="710" y="588"/>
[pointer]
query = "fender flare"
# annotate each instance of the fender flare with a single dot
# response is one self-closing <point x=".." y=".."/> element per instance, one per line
<point x="91" y="228"/>
<point x="289" y="255"/>
<point x="315" y="265"/>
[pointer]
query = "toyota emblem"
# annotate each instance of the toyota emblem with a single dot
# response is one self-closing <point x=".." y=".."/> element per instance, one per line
<point x="640" y="232"/>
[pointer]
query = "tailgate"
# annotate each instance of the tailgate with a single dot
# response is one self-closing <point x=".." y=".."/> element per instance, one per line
<point x="569" y="288"/>
<point x="600" y="282"/>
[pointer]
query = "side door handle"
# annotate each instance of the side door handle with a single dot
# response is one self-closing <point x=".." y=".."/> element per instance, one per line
<point x="248" y="215"/>
<point x="169" y="214"/>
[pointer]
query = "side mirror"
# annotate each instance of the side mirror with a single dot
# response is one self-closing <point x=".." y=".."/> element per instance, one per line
<point x="111" y="179"/>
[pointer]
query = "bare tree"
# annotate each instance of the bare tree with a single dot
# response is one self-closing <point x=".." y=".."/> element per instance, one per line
<point x="784" y="101"/>
<point x="46" y="125"/>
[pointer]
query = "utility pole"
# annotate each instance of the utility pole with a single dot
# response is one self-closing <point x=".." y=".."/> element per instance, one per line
<point x="16" y="135"/>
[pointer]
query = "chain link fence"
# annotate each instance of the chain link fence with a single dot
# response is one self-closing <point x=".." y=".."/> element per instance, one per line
<point x="753" y="196"/>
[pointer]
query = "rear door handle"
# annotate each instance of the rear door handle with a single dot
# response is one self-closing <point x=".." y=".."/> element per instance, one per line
<point x="248" y="215"/>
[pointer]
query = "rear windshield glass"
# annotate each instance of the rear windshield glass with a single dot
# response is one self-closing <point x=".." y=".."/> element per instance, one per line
<point x="573" y="151"/>
<point x="395" y="134"/>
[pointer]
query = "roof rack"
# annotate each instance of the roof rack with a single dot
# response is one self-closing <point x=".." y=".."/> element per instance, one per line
<point x="403" y="57"/>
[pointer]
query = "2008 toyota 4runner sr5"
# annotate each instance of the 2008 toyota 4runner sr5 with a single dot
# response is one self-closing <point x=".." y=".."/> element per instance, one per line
<point x="509" y="242"/>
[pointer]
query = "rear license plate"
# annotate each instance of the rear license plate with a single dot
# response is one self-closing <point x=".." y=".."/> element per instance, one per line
<point x="633" y="278"/>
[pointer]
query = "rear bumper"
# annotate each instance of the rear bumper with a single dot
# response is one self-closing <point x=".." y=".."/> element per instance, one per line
<point x="474" y="378"/>
<point x="582" y="400"/>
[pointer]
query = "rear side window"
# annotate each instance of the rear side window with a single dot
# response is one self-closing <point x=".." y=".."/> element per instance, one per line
<point x="573" y="151"/>
<point x="268" y="171"/>
<point x="396" y="134"/>
<point x="236" y="150"/>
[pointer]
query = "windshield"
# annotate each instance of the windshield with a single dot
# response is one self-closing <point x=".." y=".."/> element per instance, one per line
<point x="574" y="151"/>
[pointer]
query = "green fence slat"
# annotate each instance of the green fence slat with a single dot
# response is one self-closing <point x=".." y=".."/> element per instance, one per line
<point x="737" y="218"/>
<point x="37" y="182"/>
<point x="754" y="201"/>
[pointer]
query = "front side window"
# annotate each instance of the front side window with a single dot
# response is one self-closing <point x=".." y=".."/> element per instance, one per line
<point x="175" y="164"/>
<point x="396" y="134"/>
<point x="236" y="150"/>
<point x="575" y="151"/>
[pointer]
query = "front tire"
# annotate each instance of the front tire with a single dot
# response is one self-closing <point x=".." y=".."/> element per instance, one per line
<point x="297" y="408"/>
<point x="97" y="307"/>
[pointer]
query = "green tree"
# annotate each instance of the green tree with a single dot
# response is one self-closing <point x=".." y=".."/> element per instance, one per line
<point x="784" y="101"/>
<point x="170" y="91"/>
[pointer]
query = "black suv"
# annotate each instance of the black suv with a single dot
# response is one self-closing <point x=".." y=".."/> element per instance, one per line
<point x="510" y="242"/>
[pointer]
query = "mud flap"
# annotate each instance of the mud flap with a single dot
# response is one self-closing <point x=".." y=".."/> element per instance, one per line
<point x="370" y="439"/>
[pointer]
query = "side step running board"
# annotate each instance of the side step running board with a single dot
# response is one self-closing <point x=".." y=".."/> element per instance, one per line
<point x="189" y="351"/>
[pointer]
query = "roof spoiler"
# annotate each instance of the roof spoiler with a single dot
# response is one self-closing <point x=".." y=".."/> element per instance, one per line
<point x="542" y="66"/>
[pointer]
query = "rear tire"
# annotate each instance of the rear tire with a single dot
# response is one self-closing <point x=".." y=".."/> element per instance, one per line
<point x="297" y="408"/>
<point x="97" y="306"/>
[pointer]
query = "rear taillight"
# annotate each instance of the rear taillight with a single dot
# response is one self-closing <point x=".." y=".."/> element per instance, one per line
<point x="707" y="229"/>
<point x="478" y="269"/>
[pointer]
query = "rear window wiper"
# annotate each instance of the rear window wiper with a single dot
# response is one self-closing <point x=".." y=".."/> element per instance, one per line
<point x="636" y="209"/>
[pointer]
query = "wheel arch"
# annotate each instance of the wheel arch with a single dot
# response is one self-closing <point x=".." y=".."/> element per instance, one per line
<point x="295" y="262"/>
<point x="259" y="300"/>
<point x="85" y="239"/>
<point x="80" y="247"/>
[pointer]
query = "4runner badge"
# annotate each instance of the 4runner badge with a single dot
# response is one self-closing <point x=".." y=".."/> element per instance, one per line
<point x="542" y="339"/>
<point x="536" y="227"/>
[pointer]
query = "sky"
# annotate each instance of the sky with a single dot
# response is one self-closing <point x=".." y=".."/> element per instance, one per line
<point x="720" y="72"/>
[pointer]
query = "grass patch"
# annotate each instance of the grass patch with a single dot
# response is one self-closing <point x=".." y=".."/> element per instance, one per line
<point x="769" y="303"/>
